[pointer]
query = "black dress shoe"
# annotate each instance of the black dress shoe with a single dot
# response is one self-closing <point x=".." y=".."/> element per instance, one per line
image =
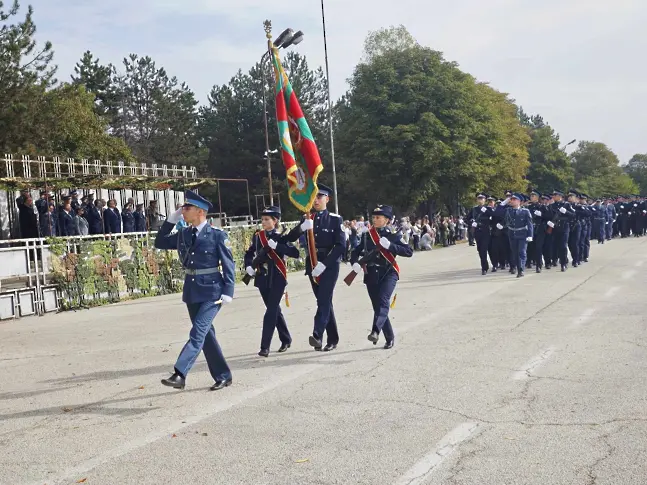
<point x="586" y="260"/>
<point x="483" y="272"/>
<point x="264" y="353"/>
<point x="283" y="348"/>
<point x="330" y="347"/>
<point x="538" y="270"/>
<point x="176" y="381"/>
<point x="520" y="274"/>
<point x="493" y="270"/>
<point x="373" y="337"/>
<point x="389" y="344"/>
<point x="564" y="268"/>
<point x="315" y="342"/>
<point x="221" y="384"/>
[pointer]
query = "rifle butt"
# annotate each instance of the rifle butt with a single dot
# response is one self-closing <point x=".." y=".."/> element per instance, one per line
<point x="350" y="278"/>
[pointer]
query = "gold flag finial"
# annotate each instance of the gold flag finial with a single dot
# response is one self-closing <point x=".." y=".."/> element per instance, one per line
<point x="267" y="25"/>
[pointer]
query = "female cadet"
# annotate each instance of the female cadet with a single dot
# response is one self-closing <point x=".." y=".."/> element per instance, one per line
<point x="380" y="246"/>
<point x="265" y="261"/>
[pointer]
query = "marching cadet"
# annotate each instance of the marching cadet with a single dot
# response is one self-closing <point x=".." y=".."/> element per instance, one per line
<point x="575" y="228"/>
<point x="520" y="230"/>
<point x="480" y="219"/>
<point x="547" y="249"/>
<point x="611" y="218"/>
<point x="600" y="215"/>
<point x="585" y="234"/>
<point x="270" y="277"/>
<point x="562" y="214"/>
<point x="539" y="214"/>
<point x="330" y="244"/>
<point x="382" y="271"/>
<point x="201" y="249"/>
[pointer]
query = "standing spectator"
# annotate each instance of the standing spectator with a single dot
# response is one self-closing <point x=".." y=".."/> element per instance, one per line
<point x="443" y="227"/>
<point x="416" y="230"/>
<point x="68" y="223"/>
<point x="140" y="218"/>
<point x="128" y="217"/>
<point x="48" y="222"/>
<point x="93" y="215"/>
<point x="74" y="202"/>
<point x="153" y="217"/>
<point x="27" y="218"/>
<point x="82" y="225"/>
<point x="42" y="204"/>
<point x="112" y="218"/>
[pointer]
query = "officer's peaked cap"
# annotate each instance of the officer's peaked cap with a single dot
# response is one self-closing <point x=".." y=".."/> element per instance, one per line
<point x="383" y="210"/>
<point x="191" y="198"/>
<point x="324" y="190"/>
<point x="272" y="211"/>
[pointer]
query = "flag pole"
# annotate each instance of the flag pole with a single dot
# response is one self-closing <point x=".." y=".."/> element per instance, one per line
<point x="332" y="142"/>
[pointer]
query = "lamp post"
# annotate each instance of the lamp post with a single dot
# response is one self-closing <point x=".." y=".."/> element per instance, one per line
<point x="287" y="38"/>
<point x="332" y="143"/>
<point x="569" y="143"/>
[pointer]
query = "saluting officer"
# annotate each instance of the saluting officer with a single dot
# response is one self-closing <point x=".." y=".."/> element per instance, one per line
<point x="265" y="260"/>
<point x="480" y="218"/>
<point x="382" y="271"/>
<point x="330" y="244"/>
<point x="520" y="230"/>
<point x="202" y="249"/>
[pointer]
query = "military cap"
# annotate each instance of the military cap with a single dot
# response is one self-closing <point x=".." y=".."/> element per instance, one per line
<point x="191" y="198"/>
<point x="536" y="192"/>
<point x="383" y="210"/>
<point x="324" y="190"/>
<point x="481" y="195"/>
<point x="272" y="211"/>
<point x="516" y="195"/>
<point x="489" y="197"/>
<point x="558" y="192"/>
<point x="545" y="196"/>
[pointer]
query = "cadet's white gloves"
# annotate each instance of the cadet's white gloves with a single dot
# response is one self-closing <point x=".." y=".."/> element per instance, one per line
<point x="175" y="217"/>
<point x="317" y="270"/>
<point x="307" y="224"/>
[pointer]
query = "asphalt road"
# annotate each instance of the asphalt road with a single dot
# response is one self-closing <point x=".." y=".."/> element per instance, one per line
<point x="492" y="381"/>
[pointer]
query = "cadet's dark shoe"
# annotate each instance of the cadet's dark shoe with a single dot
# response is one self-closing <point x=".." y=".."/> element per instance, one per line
<point x="483" y="272"/>
<point x="538" y="270"/>
<point x="315" y="342"/>
<point x="389" y="344"/>
<point x="330" y="347"/>
<point x="513" y="271"/>
<point x="221" y="384"/>
<point x="176" y="381"/>
<point x="586" y="260"/>
<point x="493" y="270"/>
<point x="564" y="268"/>
<point x="264" y="353"/>
<point x="373" y="337"/>
<point x="283" y="348"/>
<point x="520" y="274"/>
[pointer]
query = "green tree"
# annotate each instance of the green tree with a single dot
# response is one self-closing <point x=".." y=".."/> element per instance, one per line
<point x="637" y="170"/>
<point x="26" y="71"/>
<point x="415" y="127"/>
<point x="100" y="80"/>
<point x="550" y="167"/>
<point x="597" y="171"/>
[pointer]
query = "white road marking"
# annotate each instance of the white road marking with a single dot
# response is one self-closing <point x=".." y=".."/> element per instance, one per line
<point x="429" y="463"/>
<point x="639" y="263"/>
<point x="534" y="363"/>
<point x="225" y="404"/>
<point x="611" y="291"/>
<point x="628" y="274"/>
<point x="585" y="316"/>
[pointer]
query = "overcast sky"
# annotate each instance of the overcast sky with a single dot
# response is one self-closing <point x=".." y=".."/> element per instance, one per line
<point x="581" y="64"/>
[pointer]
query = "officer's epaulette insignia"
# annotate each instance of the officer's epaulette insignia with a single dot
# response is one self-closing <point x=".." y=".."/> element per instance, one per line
<point x="333" y="214"/>
<point x="217" y="228"/>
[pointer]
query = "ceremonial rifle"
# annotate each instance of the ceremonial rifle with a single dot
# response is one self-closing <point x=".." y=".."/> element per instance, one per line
<point x="370" y="256"/>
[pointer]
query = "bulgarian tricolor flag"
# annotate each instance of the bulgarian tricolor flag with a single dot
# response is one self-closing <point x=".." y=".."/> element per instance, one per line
<point x="298" y="149"/>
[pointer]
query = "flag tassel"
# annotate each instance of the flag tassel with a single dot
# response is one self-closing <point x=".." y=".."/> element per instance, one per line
<point x="287" y="300"/>
<point x="393" y="301"/>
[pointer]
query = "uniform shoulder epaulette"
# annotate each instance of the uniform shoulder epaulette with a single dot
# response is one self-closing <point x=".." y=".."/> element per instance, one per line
<point x="217" y="228"/>
<point x="334" y="215"/>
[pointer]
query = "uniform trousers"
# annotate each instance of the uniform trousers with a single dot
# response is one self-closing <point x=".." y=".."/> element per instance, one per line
<point x="574" y="242"/>
<point x="202" y="337"/>
<point x="380" y="294"/>
<point x="482" y="243"/>
<point x="560" y="244"/>
<point x="539" y="239"/>
<point x="325" y="316"/>
<point x="518" y="253"/>
<point x="273" y="318"/>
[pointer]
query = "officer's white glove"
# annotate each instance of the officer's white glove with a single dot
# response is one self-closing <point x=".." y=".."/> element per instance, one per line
<point x="483" y="209"/>
<point x="629" y="213"/>
<point x="250" y="271"/>
<point x="505" y="202"/>
<point x="307" y="225"/>
<point x="529" y="239"/>
<point x="385" y="243"/>
<point x="538" y="213"/>
<point x="272" y="243"/>
<point x="644" y="212"/>
<point x="175" y="217"/>
<point x="622" y="206"/>
<point x="226" y="299"/>
<point x="317" y="270"/>
<point x="357" y="268"/>
<point x="551" y="223"/>
<point x="635" y="205"/>
<point x="474" y="224"/>
<point x="562" y="210"/>
<point x="499" y="226"/>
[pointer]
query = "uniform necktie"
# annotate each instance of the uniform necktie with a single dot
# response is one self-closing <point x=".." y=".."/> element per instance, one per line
<point x="194" y="236"/>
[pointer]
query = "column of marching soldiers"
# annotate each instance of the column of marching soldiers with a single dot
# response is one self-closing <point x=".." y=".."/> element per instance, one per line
<point x="541" y="230"/>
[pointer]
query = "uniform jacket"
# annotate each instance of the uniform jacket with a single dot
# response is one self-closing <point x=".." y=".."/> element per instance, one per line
<point x="562" y="221"/>
<point x="140" y="221"/>
<point x="543" y="217"/>
<point x="267" y="272"/>
<point x="67" y="224"/>
<point x="483" y="218"/>
<point x="111" y="221"/>
<point x="95" y="221"/>
<point x="128" y="219"/>
<point x="211" y="250"/>
<point x="518" y="221"/>
<point x="330" y="238"/>
<point x="48" y="224"/>
<point x="379" y="267"/>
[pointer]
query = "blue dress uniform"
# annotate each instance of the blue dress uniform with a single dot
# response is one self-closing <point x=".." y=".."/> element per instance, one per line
<point x="140" y="219"/>
<point x="271" y="283"/>
<point x="381" y="277"/>
<point x="111" y="221"/>
<point x="561" y="221"/>
<point x="575" y="232"/>
<point x="128" y="219"/>
<point x="95" y="221"/>
<point x="587" y="222"/>
<point x="602" y="217"/>
<point x="611" y="218"/>
<point x="48" y="224"/>
<point x="330" y="244"/>
<point x="202" y="250"/>
<point x="480" y="219"/>
<point x="520" y="229"/>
